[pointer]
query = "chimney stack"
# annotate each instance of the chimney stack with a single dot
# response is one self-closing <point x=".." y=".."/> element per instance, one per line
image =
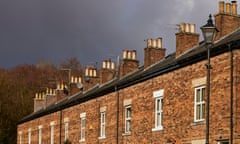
<point x="39" y="101"/>
<point x="186" y="38"/>
<point x="108" y="71"/>
<point x="227" y="20"/>
<point x="91" y="77"/>
<point x="153" y="52"/>
<point x="128" y="63"/>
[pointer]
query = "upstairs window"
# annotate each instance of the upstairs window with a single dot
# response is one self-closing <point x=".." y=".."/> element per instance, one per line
<point x="158" y="95"/>
<point x="127" y="119"/>
<point x="199" y="104"/>
<point x="66" y="121"/>
<point x="52" y="133"/>
<point x="40" y="134"/>
<point x="102" y="125"/>
<point x="83" y="126"/>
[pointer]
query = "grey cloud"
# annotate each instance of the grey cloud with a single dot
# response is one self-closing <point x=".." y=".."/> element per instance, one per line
<point x="91" y="30"/>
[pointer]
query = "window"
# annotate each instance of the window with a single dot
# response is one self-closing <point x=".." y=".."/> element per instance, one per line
<point x="158" y="95"/>
<point x="66" y="121"/>
<point x="20" y="137"/>
<point x="29" y="136"/>
<point x="83" y="126"/>
<point x="40" y="134"/>
<point x="102" y="124"/>
<point x="52" y="132"/>
<point x="128" y="119"/>
<point x="199" y="104"/>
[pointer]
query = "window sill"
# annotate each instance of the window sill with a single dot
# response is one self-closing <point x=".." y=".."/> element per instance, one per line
<point x="82" y="140"/>
<point x="126" y="134"/>
<point x="103" y="137"/>
<point x="195" y="123"/>
<point x="157" y="129"/>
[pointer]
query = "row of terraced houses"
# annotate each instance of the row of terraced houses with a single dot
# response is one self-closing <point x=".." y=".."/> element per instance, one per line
<point x="163" y="101"/>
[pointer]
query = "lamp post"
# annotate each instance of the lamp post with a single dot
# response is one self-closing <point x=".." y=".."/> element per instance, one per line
<point x="208" y="31"/>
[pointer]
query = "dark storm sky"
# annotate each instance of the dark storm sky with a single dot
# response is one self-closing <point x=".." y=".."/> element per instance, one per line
<point x="91" y="30"/>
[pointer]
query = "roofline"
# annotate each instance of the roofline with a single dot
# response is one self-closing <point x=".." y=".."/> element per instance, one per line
<point x="134" y="78"/>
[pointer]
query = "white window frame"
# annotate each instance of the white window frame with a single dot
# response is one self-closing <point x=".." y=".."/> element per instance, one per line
<point x="66" y="121"/>
<point x="201" y="103"/>
<point x="40" y="134"/>
<point x="29" y="135"/>
<point x="20" y="137"/>
<point x="128" y="119"/>
<point x="158" y="95"/>
<point x="83" y="127"/>
<point x="103" y="125"/>
<point x="52" y="133"/>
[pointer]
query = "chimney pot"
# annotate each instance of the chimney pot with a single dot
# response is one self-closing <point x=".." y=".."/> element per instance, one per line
<point x="124" y="54"/>
<point x="108" y="64"/>
<point x="159" y="42"/>
<point x="149" y="43"/>
<point x="228" y="8"/>
<point x="129" y="55"/>
<point x="134" y="55"/>
<point x="187" y="28"/>
<point x="113" y="65"/>
<point x="154" y="43"/>
<point x="104" y="64"/>
<point x="234" y="7"/>
<point x="221" y="7"/>
<point x="36" y="96"/>
<point x="192" y="28"/>
<point x="94" y="73"/>
<point x="182" y="27"/>
<point x="86" y="71"/>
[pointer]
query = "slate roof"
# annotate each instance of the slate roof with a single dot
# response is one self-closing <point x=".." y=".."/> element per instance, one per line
<point x="167" y="64"/>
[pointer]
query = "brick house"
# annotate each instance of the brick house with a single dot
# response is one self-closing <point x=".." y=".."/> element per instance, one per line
<point x="161" y="102"/>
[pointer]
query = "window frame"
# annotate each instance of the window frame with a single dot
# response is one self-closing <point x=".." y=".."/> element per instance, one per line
<point x="66" y="127"/>
<point x="29" y="135"/>
<point x="128" y="119"/>
<point x="201" y="103"/>
<point x="20" y="137"/>
<point x="52" y="133"/>
<point x="40" y="134"/>
<point x="158" y="110"/>
<point x="102" y="125"/>
<point x="82" y="128"/>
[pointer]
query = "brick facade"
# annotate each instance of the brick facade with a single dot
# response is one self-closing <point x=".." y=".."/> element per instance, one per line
<point x="176" y="82"/>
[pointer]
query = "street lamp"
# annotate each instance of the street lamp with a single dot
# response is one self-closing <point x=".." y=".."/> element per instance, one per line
<point x="208" y="31"/>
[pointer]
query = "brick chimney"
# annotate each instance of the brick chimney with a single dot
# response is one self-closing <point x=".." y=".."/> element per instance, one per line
<point x="186" y="38"/>
<point x="90" y="78"/>
<point x="128" y="62"/>
<point x="51" y="96"/>
<point x="227" y="20"/>
<point x="153" y="52"/>
<point x="108" y="71"/>
<point x="76" y="84"/>
<point x="39" y="101"/>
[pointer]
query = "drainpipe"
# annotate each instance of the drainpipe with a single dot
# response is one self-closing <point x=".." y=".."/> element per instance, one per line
<point x="60" y="124"/>
<point x="117" y="100"/>
<point x="117" y="121"/>
<point x="231" y="94"/>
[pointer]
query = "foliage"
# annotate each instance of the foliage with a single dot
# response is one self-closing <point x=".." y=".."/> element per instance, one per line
<point x="17" y="90"/>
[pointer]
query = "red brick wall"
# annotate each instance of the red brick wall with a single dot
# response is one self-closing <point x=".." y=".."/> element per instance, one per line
<point x="226" y="23"/>
<point x="178" y="109"/>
